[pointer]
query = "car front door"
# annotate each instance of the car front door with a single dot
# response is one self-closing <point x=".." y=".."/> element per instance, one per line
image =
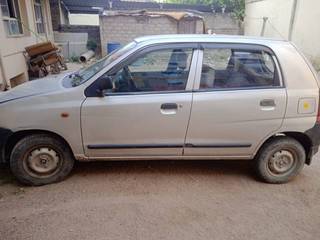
<point x="239" y="100"/>
<point x="147" y="111"/>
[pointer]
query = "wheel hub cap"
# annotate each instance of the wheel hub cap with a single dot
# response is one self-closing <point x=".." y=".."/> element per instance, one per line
<point x="43" y="160"/>
<point x="281" y="162"/>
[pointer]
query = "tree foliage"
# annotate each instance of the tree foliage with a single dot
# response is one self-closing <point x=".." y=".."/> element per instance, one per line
<point x="237" y="7"/>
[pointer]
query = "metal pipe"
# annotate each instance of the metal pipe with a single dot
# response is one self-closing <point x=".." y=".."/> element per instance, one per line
<point x="86" y="56"/>
<point x="293" y="18"/>
<point x="265" y="19"/>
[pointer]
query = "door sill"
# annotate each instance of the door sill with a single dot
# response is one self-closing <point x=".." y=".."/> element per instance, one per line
<point x="135" y="158"/>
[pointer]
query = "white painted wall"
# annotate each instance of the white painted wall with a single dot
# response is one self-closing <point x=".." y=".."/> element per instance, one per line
<point x="306" y="29"/>
<point x="84" y="19"/>
<point x="12" y="61"/>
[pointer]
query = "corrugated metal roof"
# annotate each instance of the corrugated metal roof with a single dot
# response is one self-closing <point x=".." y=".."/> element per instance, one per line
<point x="173" y="15"/>
<point x="86" y="6"/>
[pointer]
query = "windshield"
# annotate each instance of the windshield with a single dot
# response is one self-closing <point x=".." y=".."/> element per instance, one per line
<point x="85" y="74"/>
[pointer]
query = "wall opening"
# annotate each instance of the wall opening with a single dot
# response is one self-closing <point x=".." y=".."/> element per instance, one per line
<point x="17" y="80"/>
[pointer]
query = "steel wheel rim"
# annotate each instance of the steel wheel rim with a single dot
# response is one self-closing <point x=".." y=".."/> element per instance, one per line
<point x="282" y="162"/>
<point x="42" y="162"/>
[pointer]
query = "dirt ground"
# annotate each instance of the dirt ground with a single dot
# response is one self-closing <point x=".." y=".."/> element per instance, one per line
<point x="162" y="200"/>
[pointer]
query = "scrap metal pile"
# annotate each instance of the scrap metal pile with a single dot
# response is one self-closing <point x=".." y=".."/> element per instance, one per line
<point x="43" y="58"/>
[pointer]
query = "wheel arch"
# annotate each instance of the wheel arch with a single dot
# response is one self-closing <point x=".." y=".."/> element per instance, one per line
<point x="302" y="138"/>
<point x="17" y="136"/>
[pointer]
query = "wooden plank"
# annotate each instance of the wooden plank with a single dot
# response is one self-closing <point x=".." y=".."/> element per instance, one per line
<point x="40" y="48"/>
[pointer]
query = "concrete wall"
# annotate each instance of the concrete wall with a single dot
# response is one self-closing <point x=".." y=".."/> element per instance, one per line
<point x="72" y="44"/>
<point x="93" y="33"/>
<point x="305" y="27"/>
<point x="124" y="29"/>
<point x="12" y="61"/>
<point x="222" y="23"/>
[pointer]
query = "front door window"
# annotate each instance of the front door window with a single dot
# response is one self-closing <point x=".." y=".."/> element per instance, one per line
<point x="159" y="70"/>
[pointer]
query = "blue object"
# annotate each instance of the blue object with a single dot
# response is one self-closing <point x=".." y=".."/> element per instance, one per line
<point x="112" y="46"/>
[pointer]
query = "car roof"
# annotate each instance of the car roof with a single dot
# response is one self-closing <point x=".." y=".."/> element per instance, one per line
<point x="208" y="38"/>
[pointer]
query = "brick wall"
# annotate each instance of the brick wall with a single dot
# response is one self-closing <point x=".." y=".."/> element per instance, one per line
<point x="222" y="23"/>
<point x="124" y="29"/>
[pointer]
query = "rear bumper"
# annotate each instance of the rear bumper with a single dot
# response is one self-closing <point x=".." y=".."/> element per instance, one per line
<point x="4" y="136"/>
<point x="313" y="151"/>
<point x="314" y="136"/>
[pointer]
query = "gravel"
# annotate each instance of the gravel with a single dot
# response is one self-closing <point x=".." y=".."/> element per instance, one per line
<point x="162" y="200"/>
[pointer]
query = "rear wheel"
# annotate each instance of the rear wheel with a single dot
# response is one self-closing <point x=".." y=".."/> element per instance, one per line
<point x="41" y="159"/>
<point x="280" y="160"/>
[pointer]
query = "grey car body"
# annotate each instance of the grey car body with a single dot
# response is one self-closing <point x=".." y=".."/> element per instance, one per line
<point x="186" y="122"/>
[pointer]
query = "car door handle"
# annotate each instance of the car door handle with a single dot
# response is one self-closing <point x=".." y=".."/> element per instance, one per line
<point x="169" y="106"/>
<point x="267" y="103"/>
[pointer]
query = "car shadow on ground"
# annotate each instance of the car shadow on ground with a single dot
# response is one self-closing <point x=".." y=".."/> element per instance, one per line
<point x="166" y="167"/>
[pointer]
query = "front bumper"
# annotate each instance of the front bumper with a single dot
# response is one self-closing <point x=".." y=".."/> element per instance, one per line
<point x="4" y="136"/>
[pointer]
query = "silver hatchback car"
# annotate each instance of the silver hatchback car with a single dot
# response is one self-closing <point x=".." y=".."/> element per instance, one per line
<point x="168" y="97"/>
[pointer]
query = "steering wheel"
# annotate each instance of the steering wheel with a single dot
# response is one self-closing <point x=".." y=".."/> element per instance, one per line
<point x="128" y="75"/>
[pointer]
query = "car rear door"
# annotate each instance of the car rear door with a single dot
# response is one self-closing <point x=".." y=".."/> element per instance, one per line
<point x="147" y="112"/>
<point x="238" y="101"/>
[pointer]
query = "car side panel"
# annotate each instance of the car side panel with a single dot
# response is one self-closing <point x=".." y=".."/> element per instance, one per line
<point x="43" y="112"/>
<point x="225" y="123"/>
<point x="135" y="125"/>
<point x="302" y="89"/>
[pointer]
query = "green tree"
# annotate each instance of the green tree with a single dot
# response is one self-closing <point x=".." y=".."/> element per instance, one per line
<point x="238" y="8"/>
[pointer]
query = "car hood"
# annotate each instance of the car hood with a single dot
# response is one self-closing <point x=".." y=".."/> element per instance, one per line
<point x="35" y="87"/>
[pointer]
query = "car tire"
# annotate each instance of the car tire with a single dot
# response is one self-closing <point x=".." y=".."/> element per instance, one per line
<point x="280" y="160"/>
<point x="41" y="159"/>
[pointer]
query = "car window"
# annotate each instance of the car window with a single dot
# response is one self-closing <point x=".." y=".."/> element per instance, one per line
<point x="154" y="61"/>
<point x="237" y="68"/>
<point x="217" y="58"/>
<point x="158" y="70"/>
<point x="85" y="74"/>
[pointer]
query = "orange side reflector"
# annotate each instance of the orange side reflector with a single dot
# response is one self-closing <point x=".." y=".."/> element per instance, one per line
<point x="64" y="115"/>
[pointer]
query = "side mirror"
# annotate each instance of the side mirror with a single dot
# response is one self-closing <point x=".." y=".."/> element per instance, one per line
<point x="103" y="83"/>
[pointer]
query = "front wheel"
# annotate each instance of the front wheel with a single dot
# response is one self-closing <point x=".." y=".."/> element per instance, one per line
<point x="41" y="159"/>
<point x="280" y="160"/>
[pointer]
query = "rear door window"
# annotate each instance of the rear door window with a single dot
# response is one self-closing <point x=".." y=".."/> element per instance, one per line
<point x="227" y="68"/>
